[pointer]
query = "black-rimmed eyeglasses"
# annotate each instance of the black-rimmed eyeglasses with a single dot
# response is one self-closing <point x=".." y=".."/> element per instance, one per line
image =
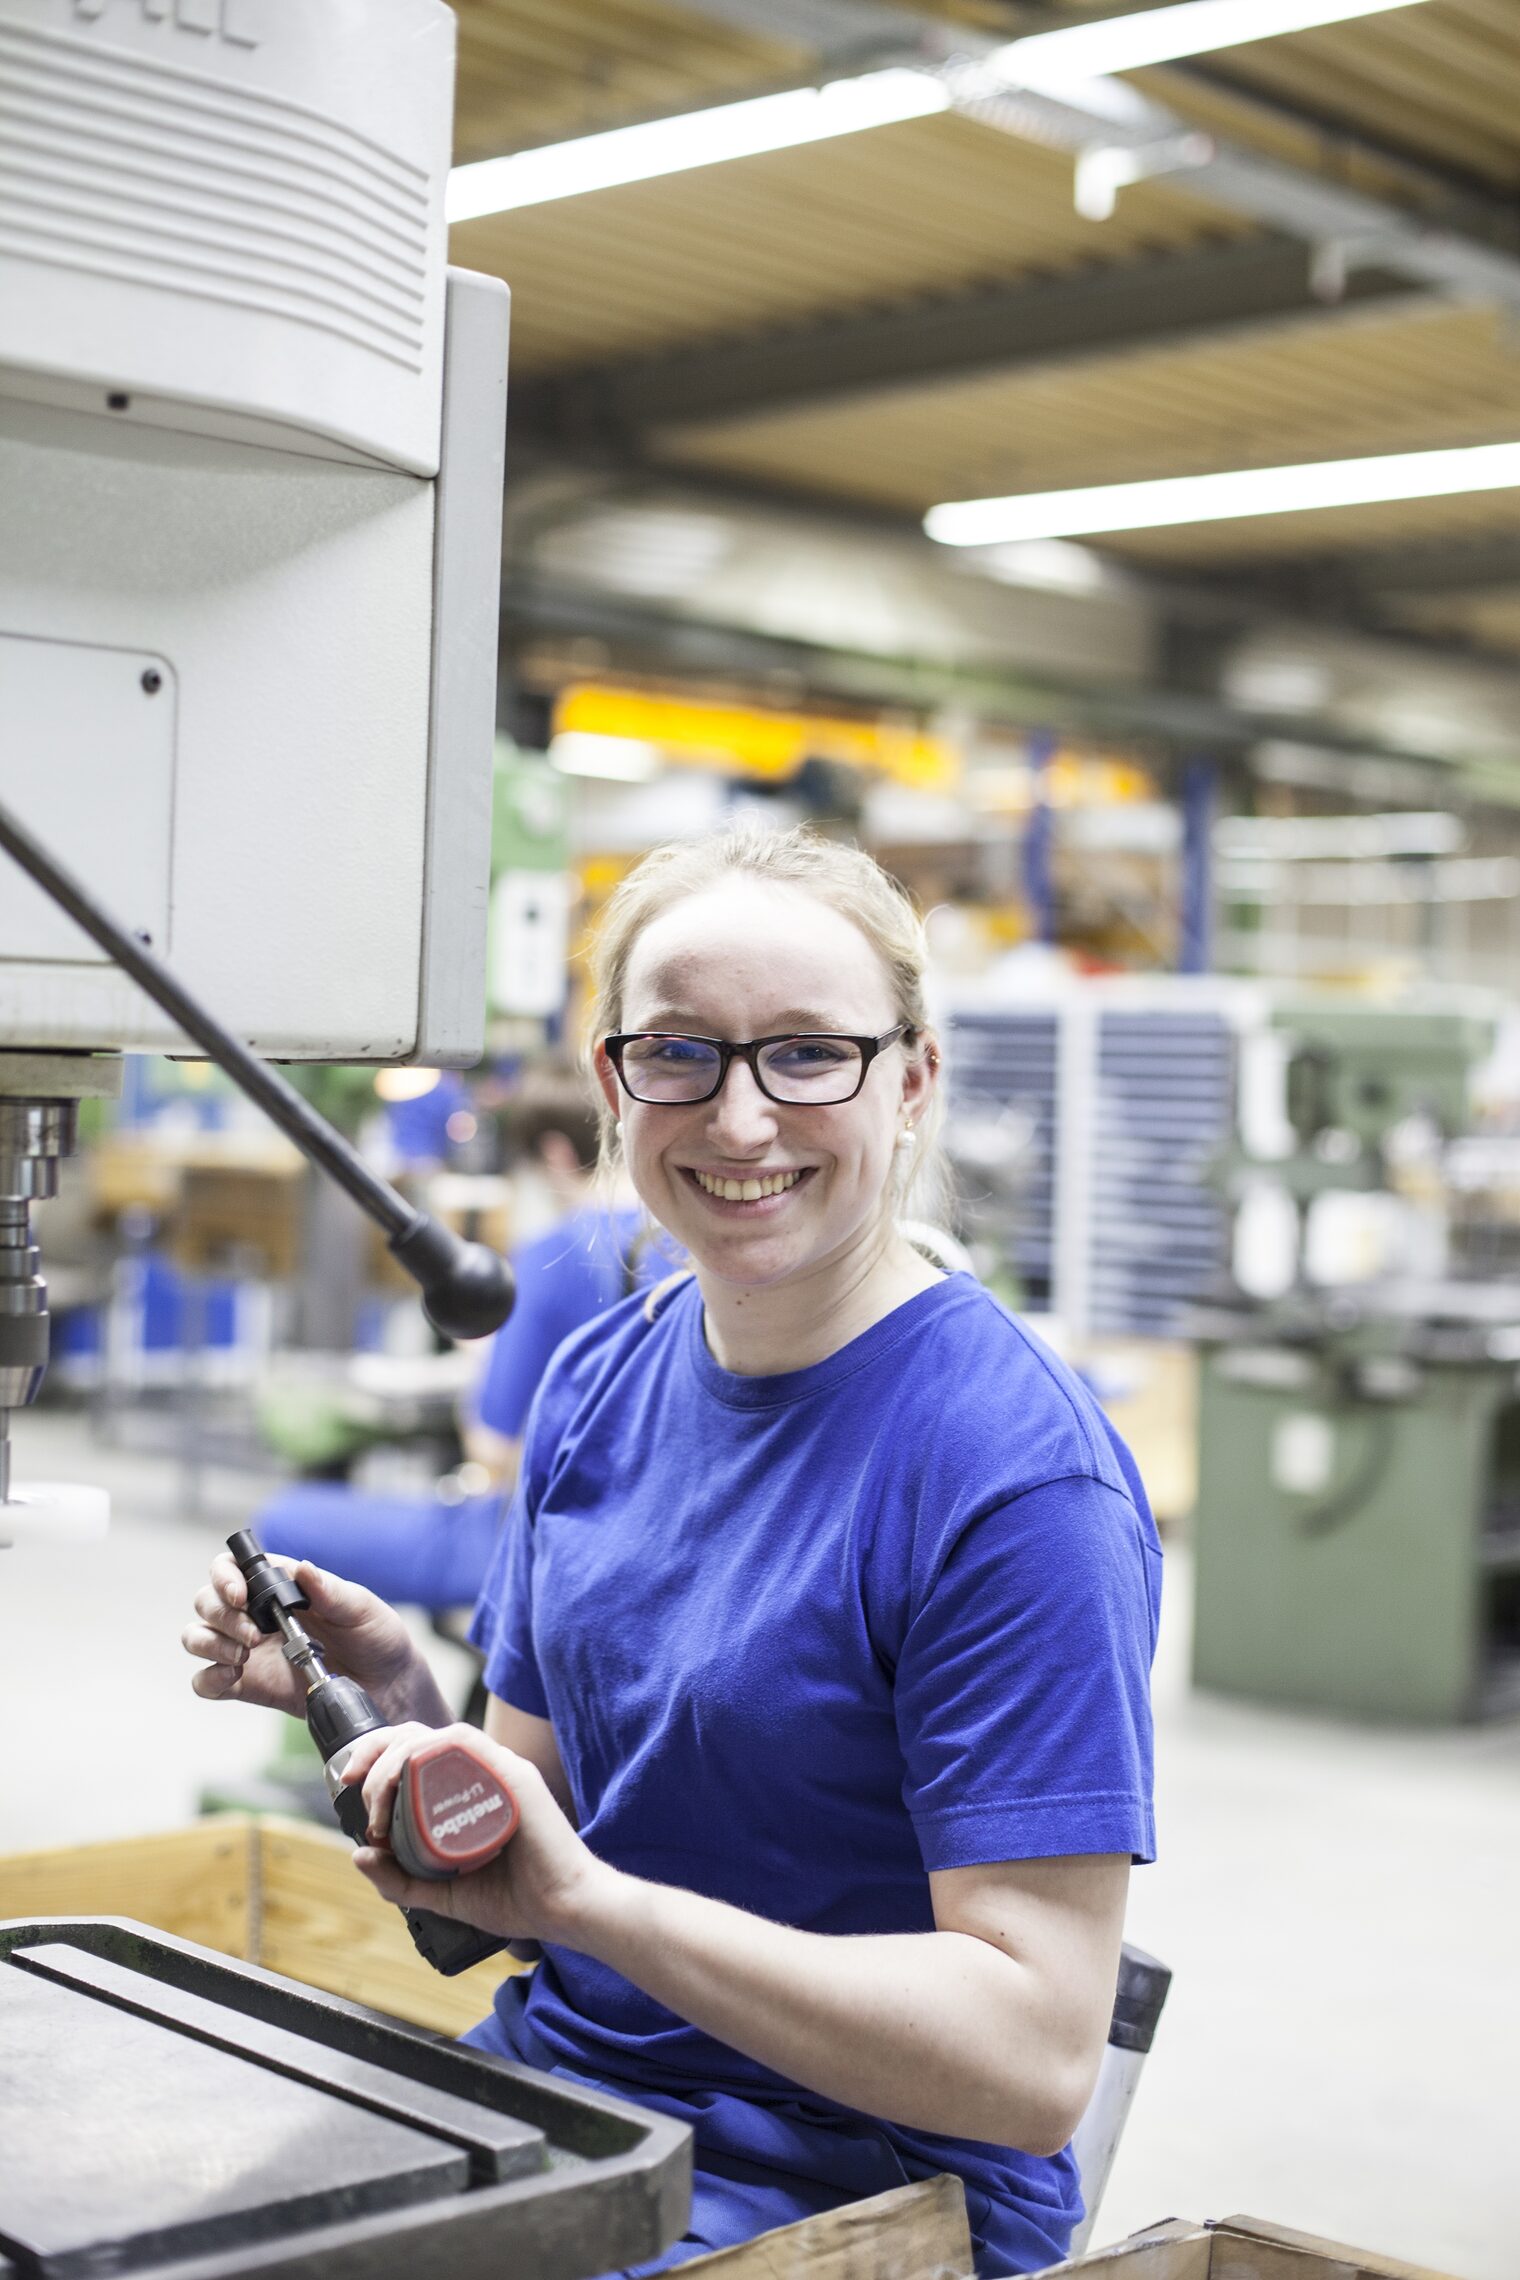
<point x="662" y="1068"/>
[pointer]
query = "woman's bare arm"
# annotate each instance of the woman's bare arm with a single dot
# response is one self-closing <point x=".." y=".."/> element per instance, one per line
<point x="532" y="1738"/>
<point x="990" y="2026"/>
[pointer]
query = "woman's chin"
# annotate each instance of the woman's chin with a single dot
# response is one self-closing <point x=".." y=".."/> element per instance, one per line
<point x="749" y="1262"/>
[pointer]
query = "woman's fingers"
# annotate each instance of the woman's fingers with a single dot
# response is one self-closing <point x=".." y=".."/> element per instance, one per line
<point x="211" y="1645"/>
<point x="229" y="1582"/>
<point x="216" y="1682"/>
<point x="364" y="1753"/>
<point x="459" y="1897"/>
<point x="228" y="1622"/>
<point x="388" y="1878"/>
<point x="512" y="1896"/>
<point x="333" y="1599"/>
<point x="383" y="1776"/>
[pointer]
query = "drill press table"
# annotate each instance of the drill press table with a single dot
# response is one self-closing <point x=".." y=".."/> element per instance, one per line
<point x="164" y="2110"/>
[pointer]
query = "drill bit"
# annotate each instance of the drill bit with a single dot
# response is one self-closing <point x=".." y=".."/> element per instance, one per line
<point x="301" y="1651"/>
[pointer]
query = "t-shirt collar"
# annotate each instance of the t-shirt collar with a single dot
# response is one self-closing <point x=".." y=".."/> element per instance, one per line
<point x="778" y="1388"/>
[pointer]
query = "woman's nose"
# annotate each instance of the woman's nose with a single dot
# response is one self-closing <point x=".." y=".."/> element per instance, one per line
<point x="741" y="1116"/>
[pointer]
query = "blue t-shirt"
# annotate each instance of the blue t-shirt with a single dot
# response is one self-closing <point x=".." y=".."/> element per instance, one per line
<point x="804" y="1638"/>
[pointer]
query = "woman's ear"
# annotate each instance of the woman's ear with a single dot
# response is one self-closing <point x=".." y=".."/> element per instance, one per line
<point x="606" y="1077"/>
<point x="921" y="1076"/>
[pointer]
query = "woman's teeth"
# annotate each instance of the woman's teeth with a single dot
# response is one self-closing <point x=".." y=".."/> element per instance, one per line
<point x="746" y="1191"/>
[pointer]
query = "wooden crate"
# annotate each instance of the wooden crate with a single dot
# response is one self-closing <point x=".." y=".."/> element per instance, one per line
<point x="916" y="2232"/>
<point x="200" y="1883"/>
<point x="280" y="1893"/>
<point x="1234" y="2248"/>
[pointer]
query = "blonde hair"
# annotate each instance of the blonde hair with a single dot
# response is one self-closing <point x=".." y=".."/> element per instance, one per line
<point x="844" y="877"/>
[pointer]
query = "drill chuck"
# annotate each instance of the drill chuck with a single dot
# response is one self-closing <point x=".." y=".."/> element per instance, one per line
<point x="338" y="1711"/>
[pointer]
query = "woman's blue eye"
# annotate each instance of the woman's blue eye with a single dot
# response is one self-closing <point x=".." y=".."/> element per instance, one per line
<point x="804" y="1053"/>
<point x="675" y="1052"/>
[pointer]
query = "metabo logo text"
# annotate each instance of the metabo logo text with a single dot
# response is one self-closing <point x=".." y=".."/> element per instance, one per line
<point x="238" y="22"/>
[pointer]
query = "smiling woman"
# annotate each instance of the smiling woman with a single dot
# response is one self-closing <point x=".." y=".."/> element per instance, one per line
<point x="819" y="1635"/>
<point x="772" y="1160"/>
<point x="846" y="1685"/>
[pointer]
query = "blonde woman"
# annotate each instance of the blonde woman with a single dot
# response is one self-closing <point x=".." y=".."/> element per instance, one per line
<point x="818" y="1641"/>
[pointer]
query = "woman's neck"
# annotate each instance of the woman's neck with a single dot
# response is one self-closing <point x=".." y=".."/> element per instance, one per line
<point x="762" y="1332"/>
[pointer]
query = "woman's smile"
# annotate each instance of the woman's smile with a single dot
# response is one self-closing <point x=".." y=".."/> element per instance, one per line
<point x="750" y="1190"/>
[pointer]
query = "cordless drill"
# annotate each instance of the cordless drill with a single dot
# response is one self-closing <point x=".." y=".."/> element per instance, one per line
<point x="452" y="1813"/>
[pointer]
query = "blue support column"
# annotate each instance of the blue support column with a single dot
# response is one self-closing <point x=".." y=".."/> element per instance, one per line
<point x="1038" y="880"/>
<point x="1200" y="800"/>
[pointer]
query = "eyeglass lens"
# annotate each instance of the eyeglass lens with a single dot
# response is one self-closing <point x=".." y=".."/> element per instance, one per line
<point x="796" y="1069"/>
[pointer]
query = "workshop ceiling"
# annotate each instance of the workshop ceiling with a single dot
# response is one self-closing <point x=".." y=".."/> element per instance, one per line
<point x="912" y="212"/>
<point x="1294" y="390"/>
<point x="919" y="312"/>
<point x="1441" y="82"/>
<point x="537" y="71"/>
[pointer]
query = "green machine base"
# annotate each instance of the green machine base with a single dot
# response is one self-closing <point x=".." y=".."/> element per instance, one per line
<point x="1358" y="1523"/>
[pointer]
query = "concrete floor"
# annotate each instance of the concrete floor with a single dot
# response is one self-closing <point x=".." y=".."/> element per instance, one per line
<point x="1341" y="1905"/>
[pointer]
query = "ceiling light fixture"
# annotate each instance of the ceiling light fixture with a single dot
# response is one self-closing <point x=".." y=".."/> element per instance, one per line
<point x="693" y="138"/>
<point x="1222" y="498"/>
<point x="1045" y="61"/>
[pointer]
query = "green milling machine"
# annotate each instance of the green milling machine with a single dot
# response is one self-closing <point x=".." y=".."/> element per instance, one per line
<point x="1357" y="1529"/>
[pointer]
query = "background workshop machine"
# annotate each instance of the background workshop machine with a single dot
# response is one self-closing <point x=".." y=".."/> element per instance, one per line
<point x="1358" y="1519"/>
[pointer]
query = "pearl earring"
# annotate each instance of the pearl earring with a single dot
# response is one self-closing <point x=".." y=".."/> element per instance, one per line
<point x="906" y="1137"/>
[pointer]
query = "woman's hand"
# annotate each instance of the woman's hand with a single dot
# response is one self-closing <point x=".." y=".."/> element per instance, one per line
<point x="359" y="1637"/>
<point x="543" y="1885"/>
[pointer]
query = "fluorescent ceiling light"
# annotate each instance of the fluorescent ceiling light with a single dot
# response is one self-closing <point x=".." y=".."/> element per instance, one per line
<point x="695" y="138"/>
<point x="1049" y="60"/>
<point x="1221" y="498"/>
<point x="1045" y="60"/>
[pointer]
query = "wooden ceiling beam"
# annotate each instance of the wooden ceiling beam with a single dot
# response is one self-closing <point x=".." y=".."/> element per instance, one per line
<point x="1171" y="298"/>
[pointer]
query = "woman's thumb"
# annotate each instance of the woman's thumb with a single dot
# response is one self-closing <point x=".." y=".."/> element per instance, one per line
<point x="334" y="1599"/>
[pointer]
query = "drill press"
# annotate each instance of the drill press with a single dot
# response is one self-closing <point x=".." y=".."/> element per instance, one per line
<point x="1357" y="1529"/>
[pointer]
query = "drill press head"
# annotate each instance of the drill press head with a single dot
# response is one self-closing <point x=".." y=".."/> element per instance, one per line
<point x="34" y="1136"/>
<point x="1356" y="1071"/>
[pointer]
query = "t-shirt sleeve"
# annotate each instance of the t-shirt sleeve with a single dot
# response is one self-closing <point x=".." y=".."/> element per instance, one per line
<point x="1022" y="1689"/>
<point x="502" y="1625"/>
